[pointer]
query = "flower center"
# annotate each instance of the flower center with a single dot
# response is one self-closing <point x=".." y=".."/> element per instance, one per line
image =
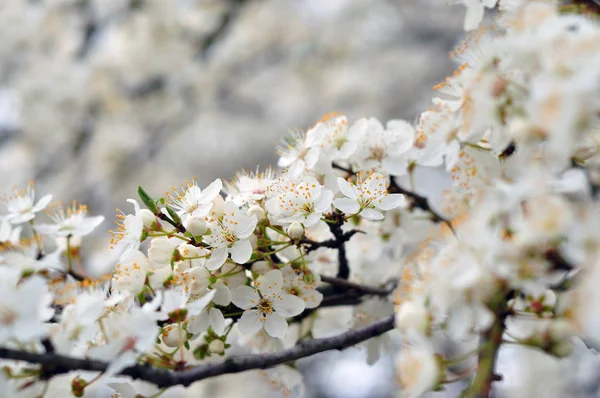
<point x="265" y="306"/>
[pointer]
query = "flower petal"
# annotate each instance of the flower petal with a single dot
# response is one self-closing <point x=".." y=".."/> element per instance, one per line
<point x="346" y="205"/>
<point x="371" y="214"/>
<point x="271" y="282"/>
<point x="217" y="321"/>
<point x="244" y="297"/>
<point x="276" y="326"/>
<point x="390" y="201"/>
<point x="249" y="323"/>
<point x="323" y="201"/>
<point x="217" y="258"/>
<point x="241" y="251"/>
<point x="223" y="294"/>
<point x="211" y="191"/>
<point x="289" y="305"/>
<point x="200" y="323"/>
<point x="200" y="304"/>
<point x="347" y="189"/>
<point x="42" y="203"/>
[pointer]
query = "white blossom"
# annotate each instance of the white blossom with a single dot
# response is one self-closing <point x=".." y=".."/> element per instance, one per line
<point x="268" y="309"/>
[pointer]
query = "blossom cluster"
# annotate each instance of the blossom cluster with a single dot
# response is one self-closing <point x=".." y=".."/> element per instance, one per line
<point x="250" y="264"/>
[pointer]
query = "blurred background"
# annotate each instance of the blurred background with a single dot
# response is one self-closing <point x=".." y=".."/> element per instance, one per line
<point x="100" y="96"/>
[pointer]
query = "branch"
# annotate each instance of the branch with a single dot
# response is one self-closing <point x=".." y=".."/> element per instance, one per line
<point x="420" y="202"/>
<point x="57" y="364"/>
<point x="331" y="243"/>
<point x="356" y="287"/>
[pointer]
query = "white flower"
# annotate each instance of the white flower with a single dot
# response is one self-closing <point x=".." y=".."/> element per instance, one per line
<point x="72" y="222"/>
<point x="24" y="306"/>
<point x="417" y="368"/>
<point x="130" y="334"/>
<point x="129" y="231"/>
<point x="161" y="250"/>
<point x="209" y="317"/>
<point x="21" y="206"/>
<point x="249" y="187"/>
<point x="267" y="309"/>
<point x="367" y="197"/>
<point x="334" y="137"/>
<point x="178" y="299"/>
<point x="303" y="203"/>
<point x="296" y="285"/>
<point x="384" y="149"/>
<point x="230" y="235"/>
<point x="130" y="275"/>
<point x="299" y="154"/>
<point x="193" y="201"/>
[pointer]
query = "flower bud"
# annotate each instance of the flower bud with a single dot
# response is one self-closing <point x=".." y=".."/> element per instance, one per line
<point x="147" y="218"/>
<point x="218" y="207"/>
<point x="257" y="211"/>
<point x="216" y="346"/>
<point x="295" y="231"/>
<point x="196" y="225"/>
<point x="412" y="315"/>
<point x="170" y="335"/>
<point x="260" y="267"/>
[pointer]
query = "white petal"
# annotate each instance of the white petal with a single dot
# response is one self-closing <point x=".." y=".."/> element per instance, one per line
<point x="47" y="229"/>
<point x="311" y="220"/>
<point x="246" y="226"/>
<point x="272" y="281"/>
<point x="347" y="189"/>
<point x="42" y="203"/>
<point x="395" y="165"/>
<point x="241" y="251"/>
<point x="211" y="191"/>
<point x="200" y="304"/>
<point x="346" y="205"/>
<point x="249" y="323"/>
<point x="223" y="294"/>
<point x="244" y="297"/>
<point x="217" y="258"/>
<point x="390" y="201"/>
<point x="217" y="321"/>
<point x="88" y="225"/>
<point x="311" y="157"/>
<point x="289" y="305"/>
<point x="200" y="323"/>
<point x="276" y="326"/>
<point x="371" y="214"/>
<point x="473" y="16"/>
<point x="323" y="201"/>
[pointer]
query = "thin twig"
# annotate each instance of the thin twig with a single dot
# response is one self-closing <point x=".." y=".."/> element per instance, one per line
<point x="60" y="364"/>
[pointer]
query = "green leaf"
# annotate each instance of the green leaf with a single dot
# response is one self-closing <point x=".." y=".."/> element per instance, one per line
<point x="148" y="201"/>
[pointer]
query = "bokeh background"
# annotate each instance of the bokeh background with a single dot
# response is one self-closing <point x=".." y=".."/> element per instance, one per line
<point x="99" y="96"/>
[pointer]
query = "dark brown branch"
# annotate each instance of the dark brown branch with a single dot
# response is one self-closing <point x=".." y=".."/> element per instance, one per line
<point x="56" y="364"/>
<point x="377" y="291"/>
<point x="330" y="243"/>
<point x="419" y="201"/>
